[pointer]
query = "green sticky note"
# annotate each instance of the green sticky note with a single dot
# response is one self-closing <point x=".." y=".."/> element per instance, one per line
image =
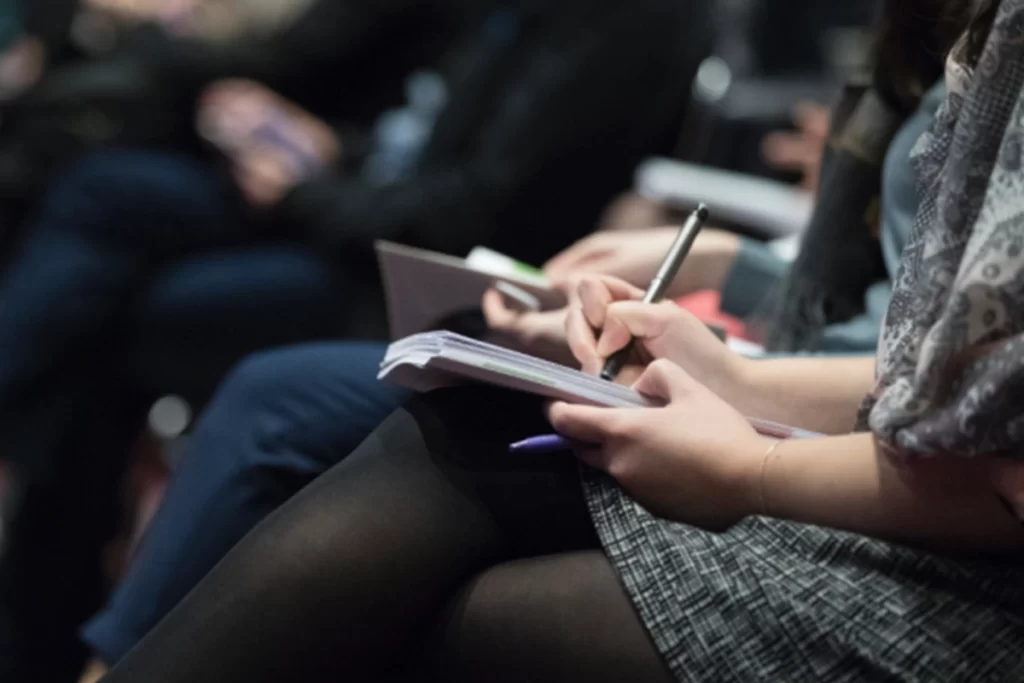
<point x="527" y="269"/>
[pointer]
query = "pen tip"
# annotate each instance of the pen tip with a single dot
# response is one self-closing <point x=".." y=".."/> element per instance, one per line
<point x="703" y="212"/>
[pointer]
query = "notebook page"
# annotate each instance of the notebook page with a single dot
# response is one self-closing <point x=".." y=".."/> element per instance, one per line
<point x="445" y="358"/>
<point x="514" y="363"/>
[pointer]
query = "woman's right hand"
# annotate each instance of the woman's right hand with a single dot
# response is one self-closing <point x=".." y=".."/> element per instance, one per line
<point x="605" y="313"/>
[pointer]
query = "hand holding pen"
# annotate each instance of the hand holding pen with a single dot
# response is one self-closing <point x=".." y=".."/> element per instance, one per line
<point x="677" y="253"/>
<point x="582" y="322"/>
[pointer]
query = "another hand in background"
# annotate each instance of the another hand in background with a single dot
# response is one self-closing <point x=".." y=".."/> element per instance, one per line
<point x="605" y="313"/>
<point x="538" y="334"/>
<point x="272" y="143"/>
<point x="167" y="12"/>
<point x="21" y="66"/>
<point x="635" y="256"/>
<point x="695" y="461"/>
<point x="801" y="150"/>
<point x="633" y="211"/>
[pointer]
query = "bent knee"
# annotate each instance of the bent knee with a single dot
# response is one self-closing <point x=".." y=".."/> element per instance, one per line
<point x="267" y="377"/>
<point x="305" y="403"/>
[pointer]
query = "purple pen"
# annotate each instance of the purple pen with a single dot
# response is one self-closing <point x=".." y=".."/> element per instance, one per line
<point x="547" y="443"/>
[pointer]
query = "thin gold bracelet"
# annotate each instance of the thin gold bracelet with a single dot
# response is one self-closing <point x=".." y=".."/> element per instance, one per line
<point x="764" y="471"/>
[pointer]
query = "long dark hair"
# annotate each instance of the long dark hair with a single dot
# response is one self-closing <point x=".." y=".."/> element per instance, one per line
<point x="841" y="256"/>
<point x="977" y="22"/>
<point x="916" y="35"/>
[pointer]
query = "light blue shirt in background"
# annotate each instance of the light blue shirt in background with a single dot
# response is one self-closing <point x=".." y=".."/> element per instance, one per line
<point x="757" y="269"/>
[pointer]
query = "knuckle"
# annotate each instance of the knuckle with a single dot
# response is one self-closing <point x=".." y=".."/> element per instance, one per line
<point x="560" y="418"/>
<point x="620" y="429"/>
<point x="588" y="282"/>
<point x="661" y="366"/>
<point x="621" y="469"/>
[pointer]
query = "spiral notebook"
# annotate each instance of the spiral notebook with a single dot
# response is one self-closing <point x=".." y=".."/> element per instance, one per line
<point x="432" y="360"/>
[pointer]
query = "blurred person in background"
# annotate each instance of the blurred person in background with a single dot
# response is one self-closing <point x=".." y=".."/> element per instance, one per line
<point x="696" y="549"/>
<point x="548" y="110"/>
<point x="42" y="35"/>
<point x="142" y="89"/>
<point x="282" y="418"/>
<point x="783" y="47"/>
<point x="107" y="305"/>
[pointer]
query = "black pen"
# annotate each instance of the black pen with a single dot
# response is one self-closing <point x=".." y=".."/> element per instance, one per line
<point x="662" y="279"/>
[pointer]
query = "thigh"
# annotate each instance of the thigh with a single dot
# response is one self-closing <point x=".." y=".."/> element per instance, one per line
<point x="199" y="318"/>
<point x="547" y="619"/>
<point x="281" y="419"/>
<point x="157" y="203"/>
<point x="535" y="499"/>
<point x="314" y="403"/>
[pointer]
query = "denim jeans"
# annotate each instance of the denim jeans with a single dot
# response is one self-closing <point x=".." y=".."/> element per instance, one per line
<point x="281" y="419"/>
<point x="140" y="276"/>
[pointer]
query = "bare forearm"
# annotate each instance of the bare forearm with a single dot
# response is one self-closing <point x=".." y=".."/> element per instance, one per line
<point x="818" y="394"/>
<point x="848" y="483"/>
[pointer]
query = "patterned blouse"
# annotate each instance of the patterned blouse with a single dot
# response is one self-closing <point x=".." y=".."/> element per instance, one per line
<point x="951" y="355"/>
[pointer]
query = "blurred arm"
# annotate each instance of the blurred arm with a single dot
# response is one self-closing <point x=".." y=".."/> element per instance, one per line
<point x="329" y="42"/>
<point x="559" y="98"/>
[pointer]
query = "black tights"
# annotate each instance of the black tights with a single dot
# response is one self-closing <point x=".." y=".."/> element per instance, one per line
<point x="428" y="554"/>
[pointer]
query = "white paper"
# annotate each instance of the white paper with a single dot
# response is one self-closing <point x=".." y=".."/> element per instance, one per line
<point x="432" y="360"/>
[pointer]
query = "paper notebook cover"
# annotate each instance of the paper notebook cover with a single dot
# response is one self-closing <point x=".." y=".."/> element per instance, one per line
<point x="428" y="361"/>
<point x="423" y="287"/>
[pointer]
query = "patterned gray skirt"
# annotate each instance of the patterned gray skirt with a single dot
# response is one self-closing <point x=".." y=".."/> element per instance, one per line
<point x="783" y="602"/>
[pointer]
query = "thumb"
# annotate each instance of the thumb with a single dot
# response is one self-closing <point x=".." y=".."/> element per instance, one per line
<point x="666" y="381"/>
<point x="499" y="317"/>
<point x="632" y="319"/>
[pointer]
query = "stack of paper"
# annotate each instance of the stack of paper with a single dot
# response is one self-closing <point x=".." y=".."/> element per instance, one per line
<point x="432" y="360"/>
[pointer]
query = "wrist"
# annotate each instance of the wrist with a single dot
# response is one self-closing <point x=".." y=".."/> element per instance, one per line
<point x="736" y="381"/>
<point x="752" y="474"/>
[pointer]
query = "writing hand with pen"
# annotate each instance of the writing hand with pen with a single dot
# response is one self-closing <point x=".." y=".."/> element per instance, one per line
<point x="695" y="459"/>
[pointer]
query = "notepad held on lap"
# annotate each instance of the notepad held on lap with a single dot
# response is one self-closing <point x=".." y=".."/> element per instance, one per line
<point x="423" y="288"/>
<point x="432" y="360"/>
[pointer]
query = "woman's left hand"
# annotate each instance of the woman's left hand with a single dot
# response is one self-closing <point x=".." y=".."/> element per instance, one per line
<point x="696" y="460"/>
<point x="540" y="333"/>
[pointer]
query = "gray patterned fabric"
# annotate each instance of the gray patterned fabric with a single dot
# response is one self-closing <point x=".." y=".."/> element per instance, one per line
<point x="777" y="601"/>
<point x="951" y="356"/>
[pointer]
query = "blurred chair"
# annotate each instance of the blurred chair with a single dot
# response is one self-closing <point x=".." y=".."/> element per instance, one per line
<point x="755" y="77"/>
